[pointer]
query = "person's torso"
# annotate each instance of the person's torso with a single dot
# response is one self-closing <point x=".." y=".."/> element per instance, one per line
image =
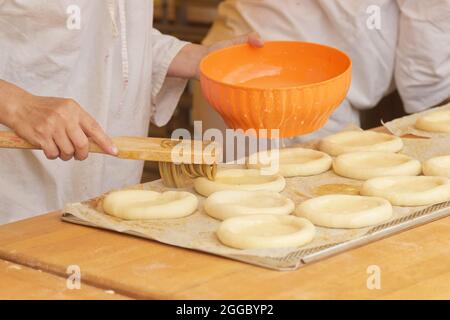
<point x="350" y="25"/>
<point x="75" y="49"/>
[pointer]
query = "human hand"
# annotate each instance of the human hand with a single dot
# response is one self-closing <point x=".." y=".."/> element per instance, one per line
<point x="187" y="62"/>
<point x="60" y="127"/>
<point x="253" y="39"/>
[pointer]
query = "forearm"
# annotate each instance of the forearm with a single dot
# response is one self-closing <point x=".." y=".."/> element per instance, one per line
<point x="186" y="62"/>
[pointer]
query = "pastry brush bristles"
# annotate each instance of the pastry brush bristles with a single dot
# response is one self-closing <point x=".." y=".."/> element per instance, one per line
<point x="176" y="175"/>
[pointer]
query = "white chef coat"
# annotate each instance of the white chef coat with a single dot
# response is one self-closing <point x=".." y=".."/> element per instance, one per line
<point x="338" y="23"/>
<point x="413" y="41"/>
<point x="115" y="66"/>
<point x="422" y="71"/>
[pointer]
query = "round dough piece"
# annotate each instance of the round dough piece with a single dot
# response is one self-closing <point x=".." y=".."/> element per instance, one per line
<point x="352" y="141"/>
<point x="345" y="211"/>
<point x="146" y="204"/>
<point x="437" y="166"/>
<point x="292" y="162"/>
<point x="265" y="231"/>
<point x="366" y="165"/>
<point x="438" y="121"/>
<point x="232" y="203"/>
<point x="409" y="191"/>
<point x="239" y="179"/>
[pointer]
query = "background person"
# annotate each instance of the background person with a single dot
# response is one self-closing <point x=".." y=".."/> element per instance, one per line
<point x="60" y="84"/>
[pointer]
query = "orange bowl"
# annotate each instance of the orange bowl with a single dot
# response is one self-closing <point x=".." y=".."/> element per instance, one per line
<point x="286" y="85"/>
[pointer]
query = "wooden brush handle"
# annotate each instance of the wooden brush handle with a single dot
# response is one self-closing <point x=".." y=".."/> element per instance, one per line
<point x="137" y="148"/>
<point x="10" y="140"/>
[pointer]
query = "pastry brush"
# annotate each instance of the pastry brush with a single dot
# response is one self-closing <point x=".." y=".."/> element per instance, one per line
<point x="173" y="174"/>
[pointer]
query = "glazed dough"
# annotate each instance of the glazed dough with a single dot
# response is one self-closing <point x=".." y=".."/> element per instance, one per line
<point x="352" y="141"/>
<point x="231" y="203"/>
<point x="293" y="161"/>
<point x="239" y="179"/>
<point x="366" y="165"/>
<point x="409" y="191"/>
<point x="438" y="121"/>
<point x="265" y="231"/>
<point x="345" y="211"/>
<point x="438" y="166"/>
<point x="146" y="204"/>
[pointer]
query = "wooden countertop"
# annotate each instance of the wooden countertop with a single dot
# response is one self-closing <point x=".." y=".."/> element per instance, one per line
<point x="414" y="264"/>
<point x="20" y="282"/>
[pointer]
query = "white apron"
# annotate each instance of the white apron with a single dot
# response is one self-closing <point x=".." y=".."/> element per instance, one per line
<point x="115" y="66"/>
<point x="338" y="23"/>
<point x="422" y="70"/>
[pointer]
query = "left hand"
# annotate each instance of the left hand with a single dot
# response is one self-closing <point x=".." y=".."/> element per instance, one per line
<point x="253" y="39"/>
<point x="186" y="63"/>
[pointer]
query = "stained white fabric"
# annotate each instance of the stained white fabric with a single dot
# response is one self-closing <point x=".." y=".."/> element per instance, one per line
<point x="422" y="70"/>
<point x="115" y="66"/>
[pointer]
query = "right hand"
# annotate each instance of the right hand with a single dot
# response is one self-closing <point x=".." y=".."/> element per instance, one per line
<point x="58" y="126"/>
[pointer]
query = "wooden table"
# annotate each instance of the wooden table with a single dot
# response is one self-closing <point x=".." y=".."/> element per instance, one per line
<point x="20" y="282"/>
<point x="414" y="264"/>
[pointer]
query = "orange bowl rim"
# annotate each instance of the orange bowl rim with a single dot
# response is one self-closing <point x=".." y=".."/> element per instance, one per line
<point x="314" y="84"/>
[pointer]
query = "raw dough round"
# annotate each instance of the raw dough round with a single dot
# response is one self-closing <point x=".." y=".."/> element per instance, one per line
<point x="368" y="164"/>
<point x="232" y="203"/>
<point x="409" y="191"/>
<point x="239" y="179"/>
<point x="146" y="204"/>
<point x="438" y="121"/>
<point x="437" y="166"/>
<point x="265" y="231"/>
<point x="352" y="141"/>
<point x="345" y="211"/>
<point x="292" y="161"/>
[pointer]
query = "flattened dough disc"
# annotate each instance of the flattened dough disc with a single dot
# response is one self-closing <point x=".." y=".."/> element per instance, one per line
<point x="239" y="179"/>
<point x="232" y="203"/>
<point x="146" y="204"/>
<point x="292" y="162"/>
<point x="438" y="121"/>
<point x="409" y="191"/>
<point x="437" y="166"/>
<point x="345" y="211"/>
<point x="265" y="231"/>
<point x="368" y="164"/>
<point x="352" y="141"/>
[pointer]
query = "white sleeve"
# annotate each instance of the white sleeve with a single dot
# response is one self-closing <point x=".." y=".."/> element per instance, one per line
<point x="166" y="91"/>
<point x="422" y="72"/>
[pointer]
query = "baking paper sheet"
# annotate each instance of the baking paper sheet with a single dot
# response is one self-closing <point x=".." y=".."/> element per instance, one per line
<point x="198" y="230"/>
<point x="405" y="125"/>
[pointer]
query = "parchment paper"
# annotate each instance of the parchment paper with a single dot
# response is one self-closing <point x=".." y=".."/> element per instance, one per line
<point x="198" y="230"/>
<point x="405" y="125"/>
